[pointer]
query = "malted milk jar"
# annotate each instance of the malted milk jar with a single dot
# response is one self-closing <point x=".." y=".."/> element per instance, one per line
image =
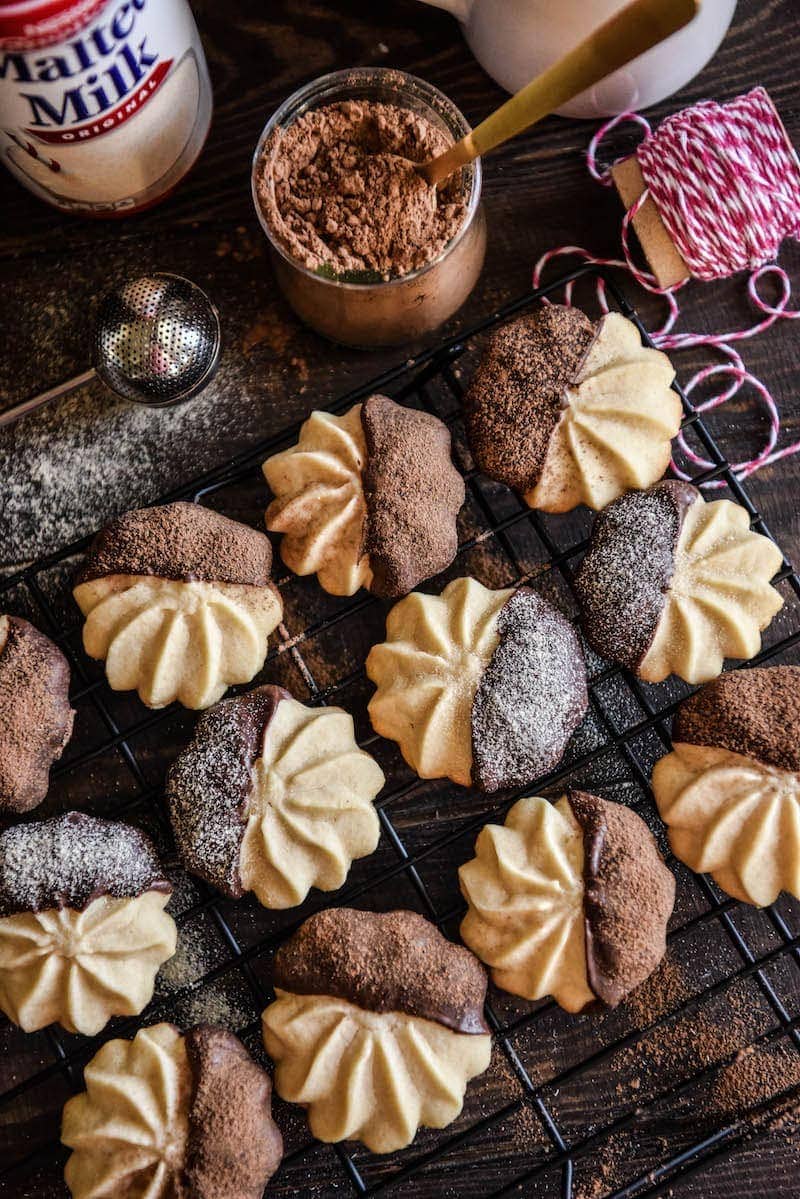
<point x="104" y="104"/>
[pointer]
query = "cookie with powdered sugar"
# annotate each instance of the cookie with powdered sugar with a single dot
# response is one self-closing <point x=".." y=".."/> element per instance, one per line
<point x="369" y="1004"/>
<point x="569" y="412"/>
<point x="178" y="602"/>
<point x="483" y="687"/>
<point x="83" y="929"/>
<point x="170" y="1114"/>
<point x="672" y="584"/>
<point x="368" y="499"/>
<point x="273" y="797"/>
<point x="35" y="715"/>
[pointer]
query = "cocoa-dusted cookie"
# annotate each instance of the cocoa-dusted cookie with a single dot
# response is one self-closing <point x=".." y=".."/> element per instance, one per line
<point x="729" y="791"/>
<point x="35" y="716"/>
<point x="380" y="1004"/>
<point x="168" y="1114"/>
<point x="178" y="603"/>
<point x="672" y="584"/>
<point x="569" y="899"/>
<point x="483" y="687"/>
<point x="273" y="797"/>
<point x="83" y="929"/>
<point x="368" y="499"/>
<point x="567" y="412"/>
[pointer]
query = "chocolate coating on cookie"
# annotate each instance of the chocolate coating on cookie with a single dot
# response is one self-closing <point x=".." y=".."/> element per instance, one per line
<point x="385" y="962"/>
<point x="234" y="1145"/>
<point x="35" y="716"/>
<point x="181" y="541"/>
<point x="413" y="495"/>
<point x="209" y="784"/>
<point x="72" y="859"/>
<point x="752" y="712"/>
<point x="622" y="581"/>
<point x="532" y="695"/>
<point x="628" y="897"/>
<point x="517" y="393"/>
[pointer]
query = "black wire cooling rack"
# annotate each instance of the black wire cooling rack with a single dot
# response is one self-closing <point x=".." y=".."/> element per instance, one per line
<point x="579" y="1107"/>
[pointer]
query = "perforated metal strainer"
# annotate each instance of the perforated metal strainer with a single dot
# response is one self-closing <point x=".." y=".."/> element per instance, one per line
<point x="156" y="342"/>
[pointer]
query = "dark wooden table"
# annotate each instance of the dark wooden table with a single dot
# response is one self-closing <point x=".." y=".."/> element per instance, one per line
<point x="67" y="469"/>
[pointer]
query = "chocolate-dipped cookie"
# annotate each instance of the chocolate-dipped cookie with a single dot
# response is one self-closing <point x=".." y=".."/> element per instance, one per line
<point x="567" y="412"/>
<point x="729" y="792"/>
<point x="368" y="499"/>
<point x="671" y="584"/>
<point x="378" y="1004"/>
<point x="569" y="899"/>
<point x="168" y="1115"/>
<point x="35" y="716"/>
<point x="83" y="929"/>
<point x="273" y="797"/>
<point x="483" y="687"/>
<point x="178" y="603"/>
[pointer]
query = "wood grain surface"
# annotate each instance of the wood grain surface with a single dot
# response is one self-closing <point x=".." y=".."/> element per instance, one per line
<point x="66" y="470"/>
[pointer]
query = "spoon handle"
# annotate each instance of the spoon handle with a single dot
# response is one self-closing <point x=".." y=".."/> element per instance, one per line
<point x="630" y="32"/>
<point x="45" y="397"/>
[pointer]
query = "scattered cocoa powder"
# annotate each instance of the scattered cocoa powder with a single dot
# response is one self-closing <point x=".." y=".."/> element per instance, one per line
<point x="339" y="193"/>
<point x="686" y="1043"/>
<point x="666" y="990"/>
<point x="604" y="1171"/>
<point x="753" y="1078"/>
<point x="270" y="331"/>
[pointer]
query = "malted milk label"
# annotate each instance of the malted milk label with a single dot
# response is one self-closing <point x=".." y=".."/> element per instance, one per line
<point x="104" y="104"/>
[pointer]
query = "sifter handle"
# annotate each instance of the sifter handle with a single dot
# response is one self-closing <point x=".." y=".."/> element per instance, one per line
<point x="55" y="393"/>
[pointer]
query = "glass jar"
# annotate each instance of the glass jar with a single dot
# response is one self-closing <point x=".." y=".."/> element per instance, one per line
<point x="402" y="309"/>
<point x="104" y="105"/>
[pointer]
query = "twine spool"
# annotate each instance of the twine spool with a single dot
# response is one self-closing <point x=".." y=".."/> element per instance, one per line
<point x="715" y="190"/>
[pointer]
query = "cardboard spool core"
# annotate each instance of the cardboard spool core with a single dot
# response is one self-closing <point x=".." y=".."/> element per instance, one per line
<point x="660" y="251"/>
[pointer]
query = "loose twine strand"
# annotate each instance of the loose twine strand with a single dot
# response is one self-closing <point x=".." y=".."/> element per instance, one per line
<point x="726" y="182"/>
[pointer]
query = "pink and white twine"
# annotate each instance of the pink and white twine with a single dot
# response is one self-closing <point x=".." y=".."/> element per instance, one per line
<point x="726" y="182"/>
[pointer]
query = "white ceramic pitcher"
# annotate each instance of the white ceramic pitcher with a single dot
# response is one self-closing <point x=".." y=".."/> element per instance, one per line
<point x="514" y="40"/>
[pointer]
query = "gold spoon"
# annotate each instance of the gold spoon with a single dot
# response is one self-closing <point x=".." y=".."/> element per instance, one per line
<point x="630" y="32"/>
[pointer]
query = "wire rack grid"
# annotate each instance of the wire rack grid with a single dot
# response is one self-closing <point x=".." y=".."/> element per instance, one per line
<point x="560" y="1112"/>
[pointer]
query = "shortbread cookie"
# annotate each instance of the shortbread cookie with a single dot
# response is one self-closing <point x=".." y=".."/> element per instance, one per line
<point x="482" y="687"/>
<point x="83" y="929"/>
<point x="172" y="1116"/>
<point x="368" y="499"/>
<point x="567" y="412"/>
<point x="673" y="585"/>
<point x="35" y="716"/>
<point x="273" y="797"/>
<point x="569" y="899"/>
<point x="730" y="790"/>
<point x="377" y="1026"/>
<point x="178" y="602"/>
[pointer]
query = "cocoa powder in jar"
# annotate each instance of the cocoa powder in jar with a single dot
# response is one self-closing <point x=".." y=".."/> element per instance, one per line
<point x="338" y="191"/>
